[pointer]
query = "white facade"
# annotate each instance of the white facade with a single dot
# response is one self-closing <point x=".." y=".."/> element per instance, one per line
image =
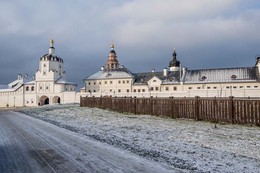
<point x="175" y="82"/>
<point x="48" y="87"/>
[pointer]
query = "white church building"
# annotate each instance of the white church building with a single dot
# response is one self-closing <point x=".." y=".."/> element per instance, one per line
<point x="115" y="80"/>
<point x="49" y="85"/>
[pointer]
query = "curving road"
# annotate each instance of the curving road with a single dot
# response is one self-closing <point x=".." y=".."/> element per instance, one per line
<point x="31" y="145"/>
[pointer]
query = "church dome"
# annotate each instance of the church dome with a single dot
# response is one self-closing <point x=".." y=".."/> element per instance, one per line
<point x="174" y="62"/>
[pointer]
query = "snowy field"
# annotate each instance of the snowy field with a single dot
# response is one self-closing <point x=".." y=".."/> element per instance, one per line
<point x="185" y="144"/>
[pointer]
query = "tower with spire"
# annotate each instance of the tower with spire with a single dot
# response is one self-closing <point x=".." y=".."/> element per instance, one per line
<point x="51" y="49"/>
<point x="50" y="66"/>
<point x="174" y="64"/>
<point x="112" y="62"/>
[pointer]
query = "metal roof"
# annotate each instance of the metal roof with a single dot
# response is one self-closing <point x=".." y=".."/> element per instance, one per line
<point x="111" y="74"/>
<point x="172" y="77"/>
<point x="240" y="74"/>
<point x="63" y="81"/>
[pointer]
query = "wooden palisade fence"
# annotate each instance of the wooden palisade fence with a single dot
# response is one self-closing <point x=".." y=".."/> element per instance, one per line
<point x="231" y="110"/>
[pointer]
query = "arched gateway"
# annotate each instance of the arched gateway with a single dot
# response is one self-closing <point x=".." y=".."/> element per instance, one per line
<point x="56" y="99"/>
<point x="44" y="100"/>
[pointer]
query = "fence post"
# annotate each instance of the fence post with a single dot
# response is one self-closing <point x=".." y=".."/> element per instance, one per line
<point x="230" y="109"/>
<point x="151" y="105"/>
<point x="172" y="108"/>
<point x="197" y="108"/>
<point x="135" y="104"/>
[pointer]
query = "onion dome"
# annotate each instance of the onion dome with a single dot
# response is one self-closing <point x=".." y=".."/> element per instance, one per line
<point x="174" y="62"/>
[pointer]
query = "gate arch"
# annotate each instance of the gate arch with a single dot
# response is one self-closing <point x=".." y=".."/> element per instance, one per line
<point x="56" y="99"/>
<point x="44" y="100"/>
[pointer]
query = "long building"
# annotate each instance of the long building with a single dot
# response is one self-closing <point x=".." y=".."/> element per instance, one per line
<point x="115" y="80"/>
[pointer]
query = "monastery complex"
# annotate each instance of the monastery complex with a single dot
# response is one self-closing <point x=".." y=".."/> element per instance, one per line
<point x="49" y="85"/>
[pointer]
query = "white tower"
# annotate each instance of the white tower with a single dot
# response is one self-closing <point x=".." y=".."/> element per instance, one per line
<point x="50" y="66"/>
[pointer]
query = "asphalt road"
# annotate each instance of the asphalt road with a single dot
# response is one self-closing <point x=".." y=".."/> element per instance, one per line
<point x="31" y="145"/>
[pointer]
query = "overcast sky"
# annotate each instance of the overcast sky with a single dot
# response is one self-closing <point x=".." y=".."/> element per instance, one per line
<point x="205" y="34"/>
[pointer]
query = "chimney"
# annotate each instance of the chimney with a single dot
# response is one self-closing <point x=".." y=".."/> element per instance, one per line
<point x="165" y="72"/>
<point x="19" y="77"/>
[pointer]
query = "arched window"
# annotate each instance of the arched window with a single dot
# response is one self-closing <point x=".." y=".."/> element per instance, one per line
<point x="32" y="88"/>
<point x="27" y="88"/>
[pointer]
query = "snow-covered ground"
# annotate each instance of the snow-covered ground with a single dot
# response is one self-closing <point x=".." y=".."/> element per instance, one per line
<point x="186" y="144"/>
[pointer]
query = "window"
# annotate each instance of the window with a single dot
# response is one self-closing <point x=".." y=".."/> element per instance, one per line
<point x="127" y="81"/>
<point x="105" y="82"/>
<point x="40" y="87"/>
<point x="203" y="78"/>
<point x="248" y="86"/>
<point x="167" y="88"/>
<point x="214" y="87"/>
<point x="156" y="88"/>
<point x="119" y="81"/>
<point x="233" y="77"/>
<point x="110" y="90"/>
<point x="255" y="86"/>
<point x="123" y="81"/>
<point x="234" y="87"/>
<point x="174" y="88"/>
<point x="143" y="90"/>
<point x="190" y="88"/>
<point x="99" y="83"/>
<point x="127" y="90"/>
<point x="139" y="90"/>
<point x="27" y="88"/>
<point x="94" y="83"/>
<point x="208" y="87"/>
<point x="119" y="90"/>
<point x="241" y="87"/>
<point x="227" y="87"/>
<point x="32" y="88"/>
<point x="94" y="91"/>
<point x="134" y="90"/>
<point x="151" y="88"/>
<point x="44" y="65"/>
<point x="111" y="82"/>
<point x="47" y="87"/>
<point x="198" y="87"/>
<point x="89" y="83"/>
<point x="154" y="80"/>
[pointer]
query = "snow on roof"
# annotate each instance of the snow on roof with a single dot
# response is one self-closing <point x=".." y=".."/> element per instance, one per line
<point x="13" y="86"/>
<point x="172" y="77"/>
<point x="63" y="81"/>
<point x="111" y="74"/>
<point x="241" y="74"/>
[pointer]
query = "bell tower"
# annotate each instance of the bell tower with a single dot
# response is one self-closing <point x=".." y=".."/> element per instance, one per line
<point x="112" y="62"/>
<point x="50" y="66"/>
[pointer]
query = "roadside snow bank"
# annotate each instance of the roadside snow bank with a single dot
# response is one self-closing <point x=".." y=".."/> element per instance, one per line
<point x="185" y="144"/>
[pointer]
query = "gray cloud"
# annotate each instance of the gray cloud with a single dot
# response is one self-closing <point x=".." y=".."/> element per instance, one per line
<point x="206" y="34"/>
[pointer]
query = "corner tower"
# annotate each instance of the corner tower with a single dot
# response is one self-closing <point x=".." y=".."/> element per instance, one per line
<point x="112" y="62"/>
<point x="174" y="64"/>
